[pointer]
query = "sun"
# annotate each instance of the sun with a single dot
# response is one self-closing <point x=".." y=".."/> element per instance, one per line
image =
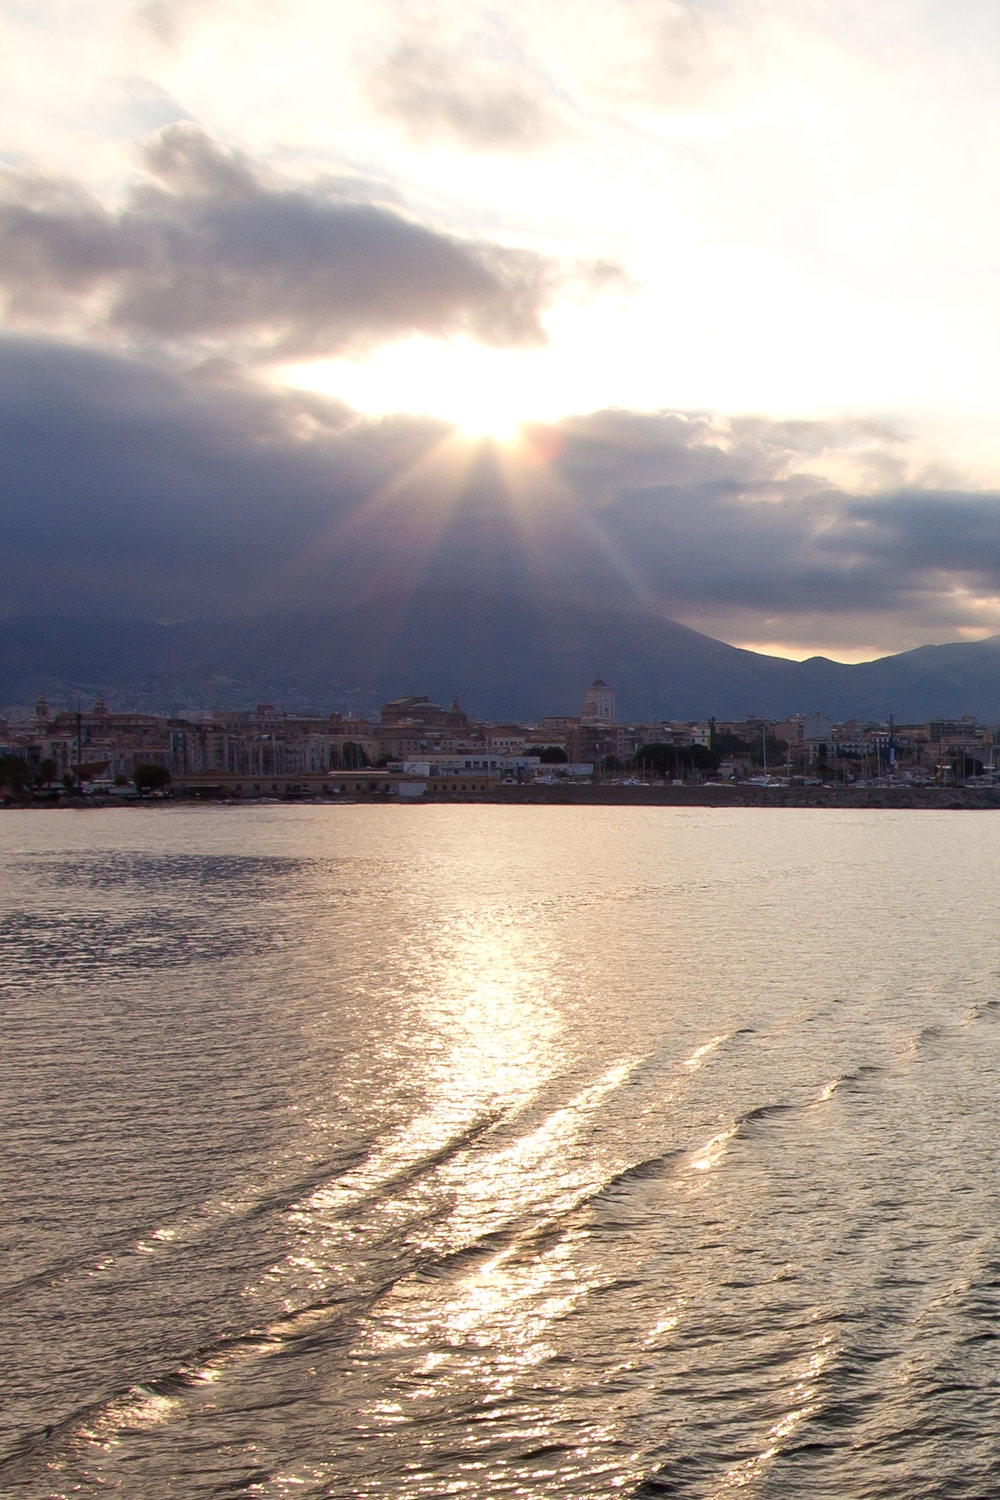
<point x="489" y="420"/>
<point x="480" y="393"/>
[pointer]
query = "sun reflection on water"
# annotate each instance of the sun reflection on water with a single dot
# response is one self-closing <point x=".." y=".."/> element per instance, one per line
<point x="479" y="1014"/>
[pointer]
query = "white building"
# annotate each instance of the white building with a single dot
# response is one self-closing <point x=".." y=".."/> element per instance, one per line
<point x="460" y="765"/>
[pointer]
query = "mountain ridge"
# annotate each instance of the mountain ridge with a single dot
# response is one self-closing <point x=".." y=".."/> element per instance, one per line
<point x="503" y="655"/>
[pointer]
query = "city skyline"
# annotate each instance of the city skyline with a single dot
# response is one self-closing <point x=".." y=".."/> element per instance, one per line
<point x="413" y="747"/>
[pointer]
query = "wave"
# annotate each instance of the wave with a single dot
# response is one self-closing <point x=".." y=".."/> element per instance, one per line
<point x="763" y="1112"/>
<point x="194" y="1223"/>
<point x="156" y="1386"/>
<point x="151" y="1398"/>
<point x="984" y="1010"/>
<point x="190" y="1224"/>
<point x="844" y="1081"/>
<point x="710" y="1154"/>
<point x="925" y="1037"/>
<point x="699" y="1055"/>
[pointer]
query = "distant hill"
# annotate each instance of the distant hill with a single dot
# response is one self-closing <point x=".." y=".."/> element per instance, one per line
<point x="503" y="655"/>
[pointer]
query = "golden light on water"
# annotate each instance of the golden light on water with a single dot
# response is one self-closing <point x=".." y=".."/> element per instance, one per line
<point x="565" y="1183"/>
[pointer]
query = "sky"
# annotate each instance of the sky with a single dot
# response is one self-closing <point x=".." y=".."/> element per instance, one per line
<point x="709" y="292"/>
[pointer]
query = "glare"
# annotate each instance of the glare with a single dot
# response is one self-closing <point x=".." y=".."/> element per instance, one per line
<point x="488" y="421"/>
<point x="483" y="392"/>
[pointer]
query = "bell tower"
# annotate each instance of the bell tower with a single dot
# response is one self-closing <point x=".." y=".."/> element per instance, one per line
<point x="599" y="704"/>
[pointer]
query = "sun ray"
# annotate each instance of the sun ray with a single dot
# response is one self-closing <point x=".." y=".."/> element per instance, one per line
<point x="400" y="521"/>
<point x="541" y="493"/>
<point x="398" y="527"/>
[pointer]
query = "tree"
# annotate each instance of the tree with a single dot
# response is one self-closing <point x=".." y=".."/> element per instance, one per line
<point x="13" y="772"/>
<point x="777" y="752"/>
<point x="730" y="746"/>
<point x="675" y="760"/>
<point x="610" y="764"/>
<point x="654" y="759"/>
<point x="701" y="758"/>
<point x="47" y="771"/>
<point x="553" y="755"/>
<point x="352" y="756"/>
<point x="150" y="778"/>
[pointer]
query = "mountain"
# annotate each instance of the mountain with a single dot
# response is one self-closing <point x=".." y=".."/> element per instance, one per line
<point x="503" y="655"/>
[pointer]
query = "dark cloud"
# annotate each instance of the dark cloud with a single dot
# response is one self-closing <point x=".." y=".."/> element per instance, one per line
<point x="214" y="252"/>
<point x="129" y="490"/>
<point x="436" y="92"/>
<point x="738" y="517"/>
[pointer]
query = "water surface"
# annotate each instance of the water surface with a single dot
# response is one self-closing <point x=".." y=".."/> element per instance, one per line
<point x="491" y="1151"/>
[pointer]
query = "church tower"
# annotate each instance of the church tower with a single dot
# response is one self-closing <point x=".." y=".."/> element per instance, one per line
<point x="599" y="704"/>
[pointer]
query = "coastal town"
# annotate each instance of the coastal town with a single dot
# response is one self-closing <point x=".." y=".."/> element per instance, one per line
<point x="416" y="748"/>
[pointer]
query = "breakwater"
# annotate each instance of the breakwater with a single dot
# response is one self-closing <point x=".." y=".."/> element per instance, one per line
<point x="568" y="795"/>
<point x="745" y="796"/>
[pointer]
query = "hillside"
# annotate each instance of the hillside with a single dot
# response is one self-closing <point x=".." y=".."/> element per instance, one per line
<point x="502" y="655"/>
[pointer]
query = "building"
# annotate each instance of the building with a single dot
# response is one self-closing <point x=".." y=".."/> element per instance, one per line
<point x="414" y="727"/>
<point x="597" y="743"/>
<point x="599" y="704"/>
<point x="789" y="730"/>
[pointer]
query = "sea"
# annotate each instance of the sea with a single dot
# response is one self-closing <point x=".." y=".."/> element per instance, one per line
<point x="487" y="1151"/>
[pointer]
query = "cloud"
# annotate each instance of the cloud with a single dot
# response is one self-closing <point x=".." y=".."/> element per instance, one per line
<point x="789" y="531"/>
<point x="134" y="105"/>
<point x="132" y="490"/>
<point x="693" y="59"/>
<point x="165" y="19"/>
<point x="213" y="252"/>
<point x="438" y="91"/>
